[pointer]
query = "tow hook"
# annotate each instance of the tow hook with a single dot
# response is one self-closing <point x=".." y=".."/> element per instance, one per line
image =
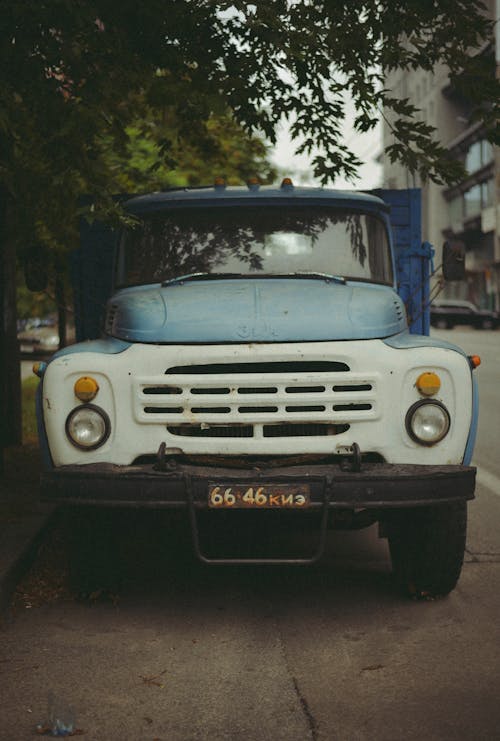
<point x="165" y="458"/>
<point x="353" y="463"/>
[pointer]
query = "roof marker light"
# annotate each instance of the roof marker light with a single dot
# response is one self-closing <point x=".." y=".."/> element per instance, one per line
<point x="474" y="361"/>
<point x="287" y="183"/>
<point x="219" y="183"/>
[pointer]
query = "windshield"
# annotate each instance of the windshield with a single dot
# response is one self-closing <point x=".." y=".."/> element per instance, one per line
<point x="266" y="241"/>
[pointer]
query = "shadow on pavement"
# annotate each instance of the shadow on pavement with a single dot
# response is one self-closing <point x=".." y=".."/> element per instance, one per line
<point x="127" y="556"/>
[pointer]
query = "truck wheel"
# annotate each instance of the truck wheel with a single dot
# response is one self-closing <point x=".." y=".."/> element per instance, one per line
<point x="427" y="546"/>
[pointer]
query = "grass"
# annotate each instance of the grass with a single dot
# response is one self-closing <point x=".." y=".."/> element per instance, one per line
<point x="29" y="387"/>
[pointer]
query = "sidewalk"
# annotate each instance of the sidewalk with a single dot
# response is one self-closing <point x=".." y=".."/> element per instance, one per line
<point x="23" y="518"/>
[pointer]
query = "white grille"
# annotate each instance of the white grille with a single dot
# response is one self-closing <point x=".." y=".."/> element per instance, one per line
<point x="249" y="404"/>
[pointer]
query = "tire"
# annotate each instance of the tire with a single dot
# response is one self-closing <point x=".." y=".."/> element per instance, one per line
<point x="443" y="324"/>
<point x="427" y="546"/>
<point x="487" y="324"/>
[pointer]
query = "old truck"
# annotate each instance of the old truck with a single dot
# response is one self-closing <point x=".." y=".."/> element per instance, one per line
<point x="261" y="355"/>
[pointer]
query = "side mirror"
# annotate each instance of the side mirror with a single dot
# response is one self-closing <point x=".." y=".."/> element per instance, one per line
<point x="453" y="261"/>
<point x="35" y="268"/>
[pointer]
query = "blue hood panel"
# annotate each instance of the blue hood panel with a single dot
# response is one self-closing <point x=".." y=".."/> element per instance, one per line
<point x="255" y="310"/>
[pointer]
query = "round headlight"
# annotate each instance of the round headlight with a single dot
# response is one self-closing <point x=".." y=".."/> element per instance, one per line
<point x="88" y="427"/>
<point x="427" y="422"/>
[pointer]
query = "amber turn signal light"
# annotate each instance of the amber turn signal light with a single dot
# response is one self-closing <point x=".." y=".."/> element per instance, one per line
<point x="428" y="383"/>
<point x="86" y="388"/>
<point x="39" y="368"/>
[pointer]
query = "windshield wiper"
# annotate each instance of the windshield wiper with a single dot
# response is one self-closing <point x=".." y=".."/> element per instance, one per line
<point x="201" y="276"/>
<point x="217" y="276"/>
<point x="320" y="276"/>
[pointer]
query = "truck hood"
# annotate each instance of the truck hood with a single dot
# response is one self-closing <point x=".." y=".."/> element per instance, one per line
<point x="255" y="310"/>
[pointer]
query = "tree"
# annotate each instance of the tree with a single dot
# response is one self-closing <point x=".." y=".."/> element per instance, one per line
<point x="155" y="157"/>
<point x="76" y="76"/>
<point x="225" y="150"/>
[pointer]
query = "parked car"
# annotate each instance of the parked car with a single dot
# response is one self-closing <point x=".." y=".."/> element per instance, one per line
<point x="38" y="335"/>
<point x="446" y="313"/>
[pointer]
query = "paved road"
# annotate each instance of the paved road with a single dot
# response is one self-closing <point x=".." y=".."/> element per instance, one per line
<point x="329" y="653"/>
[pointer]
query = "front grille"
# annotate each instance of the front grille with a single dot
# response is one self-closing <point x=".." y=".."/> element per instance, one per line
<point x="257" y="400"/>
<point x="162" y="390"/>
<point x="307" y="430"/>
<point x="211" y="431"/>
<point x="240" y="431"/>
<point x="294" y="366"/>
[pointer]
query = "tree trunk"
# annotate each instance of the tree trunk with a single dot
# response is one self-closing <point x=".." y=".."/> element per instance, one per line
<point x="10" y="376"/>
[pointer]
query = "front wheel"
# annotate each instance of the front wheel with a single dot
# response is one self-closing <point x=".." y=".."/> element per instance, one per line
<point x="443" y="324"/>
<point x="427" y="546"/>
<point x="487" y="324"/>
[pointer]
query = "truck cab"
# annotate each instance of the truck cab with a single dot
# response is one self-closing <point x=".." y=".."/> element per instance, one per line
<point x="267" y="349"/>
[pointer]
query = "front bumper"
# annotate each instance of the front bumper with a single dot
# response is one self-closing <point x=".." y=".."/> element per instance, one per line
<point x="375" y="486"/>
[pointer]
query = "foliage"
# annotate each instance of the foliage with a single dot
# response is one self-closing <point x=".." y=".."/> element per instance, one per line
<point x="138" y="167"/>
<point x="156" y="93"/>
<point x="223" y="151"/>
<point x="30" y="304"/>
<point x="29" y="387"/>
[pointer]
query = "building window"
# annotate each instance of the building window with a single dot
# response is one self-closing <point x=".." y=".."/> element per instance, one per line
<point x="472" y="202"/>
<point x="486" y="152"/>
<point x="472" y="199"/>
<point x="487" y="193"/>
<point x="478" y="155"/>
<point x="473" y="157"/>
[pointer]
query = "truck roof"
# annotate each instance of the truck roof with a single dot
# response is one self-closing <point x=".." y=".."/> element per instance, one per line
<point x="217" y="195"/>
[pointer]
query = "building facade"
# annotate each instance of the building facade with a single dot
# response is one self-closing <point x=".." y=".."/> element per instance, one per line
<point x="467" y="213"/>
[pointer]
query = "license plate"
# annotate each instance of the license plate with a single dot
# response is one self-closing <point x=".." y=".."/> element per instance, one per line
<point x="258" y="496"/>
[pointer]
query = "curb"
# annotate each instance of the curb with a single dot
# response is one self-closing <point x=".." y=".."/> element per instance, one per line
<point x="19" y="543"/>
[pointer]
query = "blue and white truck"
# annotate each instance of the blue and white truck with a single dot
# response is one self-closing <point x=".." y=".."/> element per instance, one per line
<point x="266" y="349"/>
